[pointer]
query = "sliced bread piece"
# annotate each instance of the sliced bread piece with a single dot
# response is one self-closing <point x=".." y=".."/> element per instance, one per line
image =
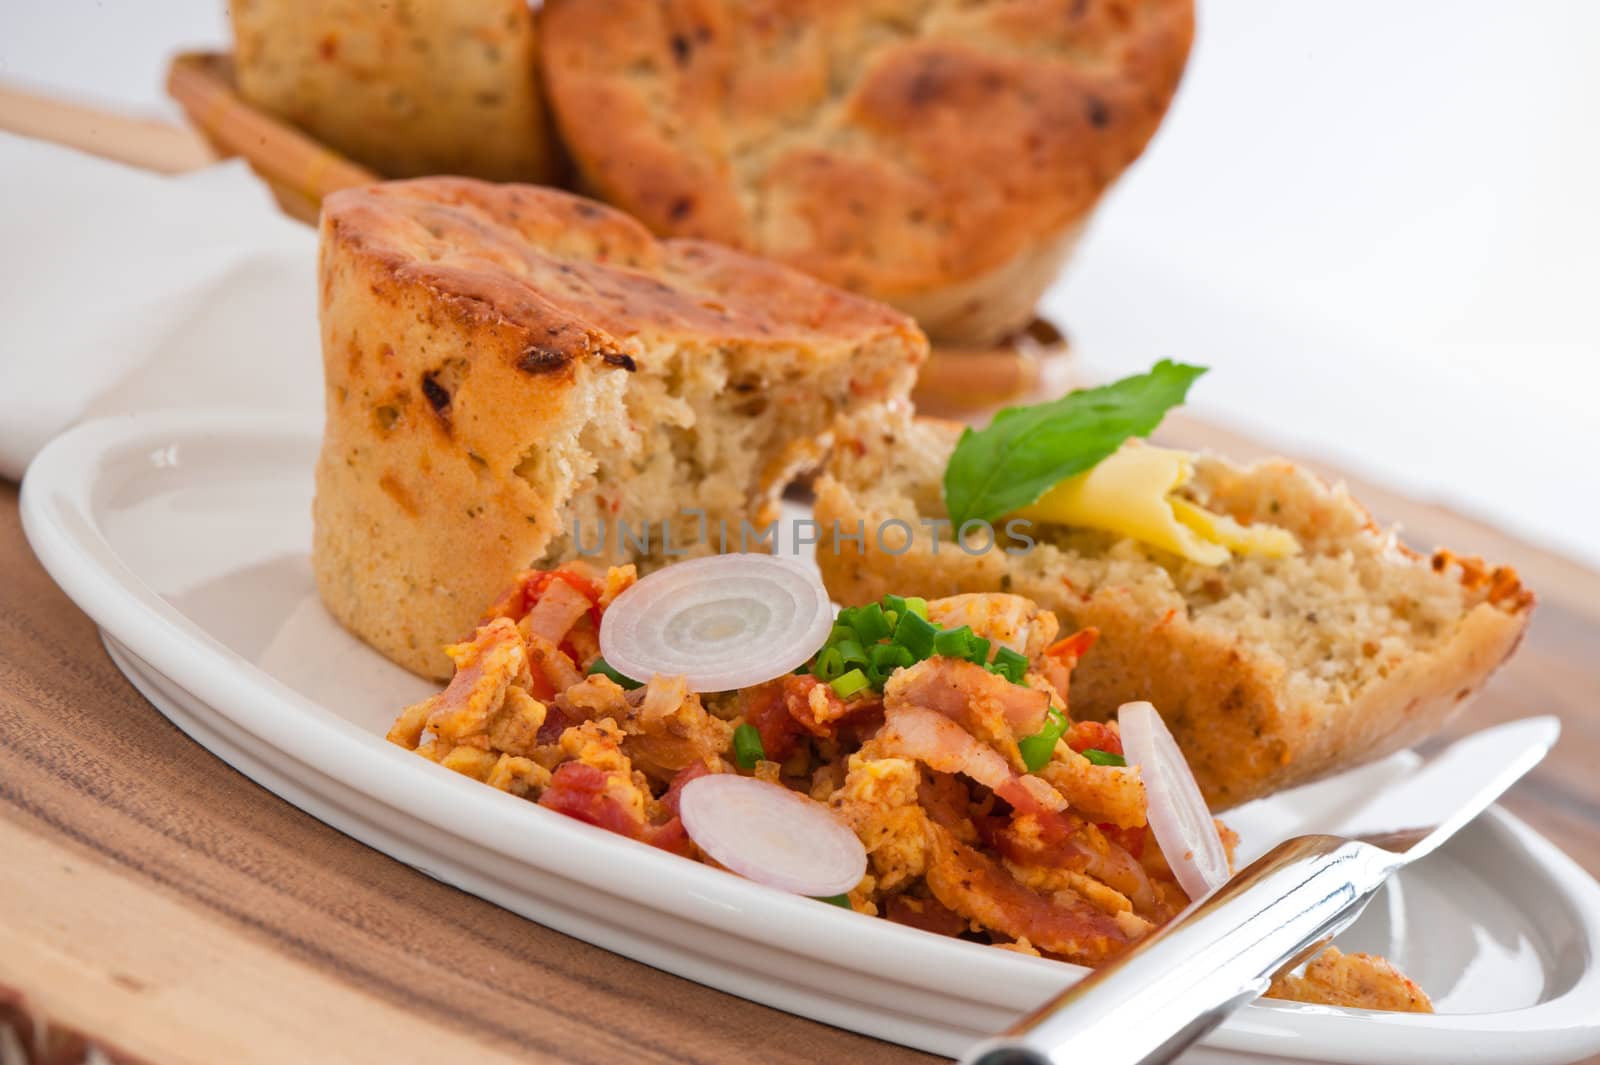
<point x="510" y="369"/>
<point x="1271" y="672"/>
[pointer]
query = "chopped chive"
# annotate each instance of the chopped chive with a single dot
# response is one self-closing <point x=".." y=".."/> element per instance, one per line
<point x="841" y="631"/>
<point x="1099" y="757"/>
<point x="885" y="659"/>
<point x="1037" y="749"/>
<point x="599" y="665"/>
<point x="747" y="748"/>
<point x="851" y="652"/>
<point x="917" y="605"/>
<point x="870" y="624"/>
<point x="916" y="635"/>
<point x="978" y="650"/>
<point x="835" y="900"/>
<point x="894" y="604"/>
<point x="1011" y="665"/>
<point x="953" y="643"/>
<point x="829" y="665"/>
<point x="850" y="683"/>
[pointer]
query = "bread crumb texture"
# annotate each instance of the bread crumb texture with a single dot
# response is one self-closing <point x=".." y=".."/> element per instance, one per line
<point x="510" y="368"/>
<point x="1271" y="672"/>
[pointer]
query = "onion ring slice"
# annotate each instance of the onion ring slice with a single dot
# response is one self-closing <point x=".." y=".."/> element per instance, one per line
<point x="1178" y="813"/>
<point x="722" y="622"/>
<point x="771" y="835"/>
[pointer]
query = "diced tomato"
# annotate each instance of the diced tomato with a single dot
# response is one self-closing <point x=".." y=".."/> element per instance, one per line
<point x="529" y="585"/>
<point x="1069" y="649"/>
<point x="1129" y="839"/>
<point x="766" y="711"/>
<point x="930" y="915"/>
<point x="1097" y="734"/>
<point x="693" y="771"/>
<point x="669" y="837"/>
<point x="1049" y="840"/>
<point x="857" y="711"/>
<point x="579" y="791"/>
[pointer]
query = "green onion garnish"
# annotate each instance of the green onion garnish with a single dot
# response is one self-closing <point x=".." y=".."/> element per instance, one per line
<point x="870" y="624"/>
<point x="850" y="683"/>
<point x="1010" y="665"/>
<point x="876" y="639"/>
<point x="916" y="635"/>
<point x="1037" y="749"/>
<point x="1099" y="757"/>
<point x="747" y="748"/>
<point x="953" y="643"/>
<point x="835" y="900"/>
<point x="599" y="665"/>
<point x="829" y="665"/>
<point x="851" y="651"/>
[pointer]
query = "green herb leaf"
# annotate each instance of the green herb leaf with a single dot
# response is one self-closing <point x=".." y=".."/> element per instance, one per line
<point x="1037" y="749"/>
<point x="835" y="900"/>
<point x="1026" y="451"/>
<point x="747" y="748"/>
<point x="599" y="665"/>
<point x="1099" y="757"/>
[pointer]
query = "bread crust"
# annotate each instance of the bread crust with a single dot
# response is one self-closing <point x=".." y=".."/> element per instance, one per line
<point x="481" y="343"/>
<point x="408" y="89"/>
<point x="933" y="154"/>
<point x="1231" y="706"/>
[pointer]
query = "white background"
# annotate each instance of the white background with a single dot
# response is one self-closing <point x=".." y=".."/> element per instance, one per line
<point x="1379" y="221"/>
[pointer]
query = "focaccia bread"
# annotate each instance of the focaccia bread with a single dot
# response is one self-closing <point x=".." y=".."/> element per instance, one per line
<point x="1271" y="672"/>
<point x="941" y="156"/>
<point x="511" y="369"/>
<point x="407" y="88"/>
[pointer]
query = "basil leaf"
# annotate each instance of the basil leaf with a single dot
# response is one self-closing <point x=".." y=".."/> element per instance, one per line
<point x="1026" y="451"/>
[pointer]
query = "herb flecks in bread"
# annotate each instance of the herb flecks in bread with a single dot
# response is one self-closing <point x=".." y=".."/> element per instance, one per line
<point x="505" y="364"/>
<point x="1271" y="671"/>
<point x="412" y="88"/>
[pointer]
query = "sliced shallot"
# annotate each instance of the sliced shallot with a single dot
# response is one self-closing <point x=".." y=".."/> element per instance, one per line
<point x="1178" y="813"/>
<point x="771" y="835"/>
<point x="723" y="622"/>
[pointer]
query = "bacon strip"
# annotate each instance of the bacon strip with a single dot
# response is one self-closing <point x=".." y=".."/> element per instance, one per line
<point x="976" y="887"/>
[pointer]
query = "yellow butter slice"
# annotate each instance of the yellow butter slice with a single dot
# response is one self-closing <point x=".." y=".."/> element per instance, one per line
<point x="1128" y="493"/>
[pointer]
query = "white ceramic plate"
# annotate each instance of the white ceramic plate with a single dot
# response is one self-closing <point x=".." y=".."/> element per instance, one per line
<point x="184" y="536"/>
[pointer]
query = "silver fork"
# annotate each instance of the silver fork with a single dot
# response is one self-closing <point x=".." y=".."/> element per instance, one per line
<point x="1185" y="979"/>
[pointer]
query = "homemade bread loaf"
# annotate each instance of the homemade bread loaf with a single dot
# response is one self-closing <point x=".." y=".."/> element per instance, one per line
<point x="1271" y="672"/>
<point x="935" y="154"/>
<point x="407" y="88"/>
<point x="508" y="366"/>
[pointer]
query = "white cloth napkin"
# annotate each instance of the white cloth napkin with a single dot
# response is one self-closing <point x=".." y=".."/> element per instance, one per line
<point x="122" y="290"/>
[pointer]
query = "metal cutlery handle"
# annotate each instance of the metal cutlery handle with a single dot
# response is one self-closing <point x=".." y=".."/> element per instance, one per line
<point x="1181" y="982"/>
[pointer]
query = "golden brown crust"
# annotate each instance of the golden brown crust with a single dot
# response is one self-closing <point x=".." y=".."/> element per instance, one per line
<point x="422" y="87"/>
<point x="494" y="353"/>
<point x="1245" y="727"/>
<point x="903" y="150"/>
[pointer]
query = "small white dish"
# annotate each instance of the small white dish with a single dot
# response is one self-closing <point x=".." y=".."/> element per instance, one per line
<point x="184" y="536"/>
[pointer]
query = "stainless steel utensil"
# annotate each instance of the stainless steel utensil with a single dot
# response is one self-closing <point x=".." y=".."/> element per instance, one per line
<point x="1182" y="981"/>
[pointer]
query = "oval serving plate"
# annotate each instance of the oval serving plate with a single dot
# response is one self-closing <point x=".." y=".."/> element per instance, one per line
<point x="184" y="534"/>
